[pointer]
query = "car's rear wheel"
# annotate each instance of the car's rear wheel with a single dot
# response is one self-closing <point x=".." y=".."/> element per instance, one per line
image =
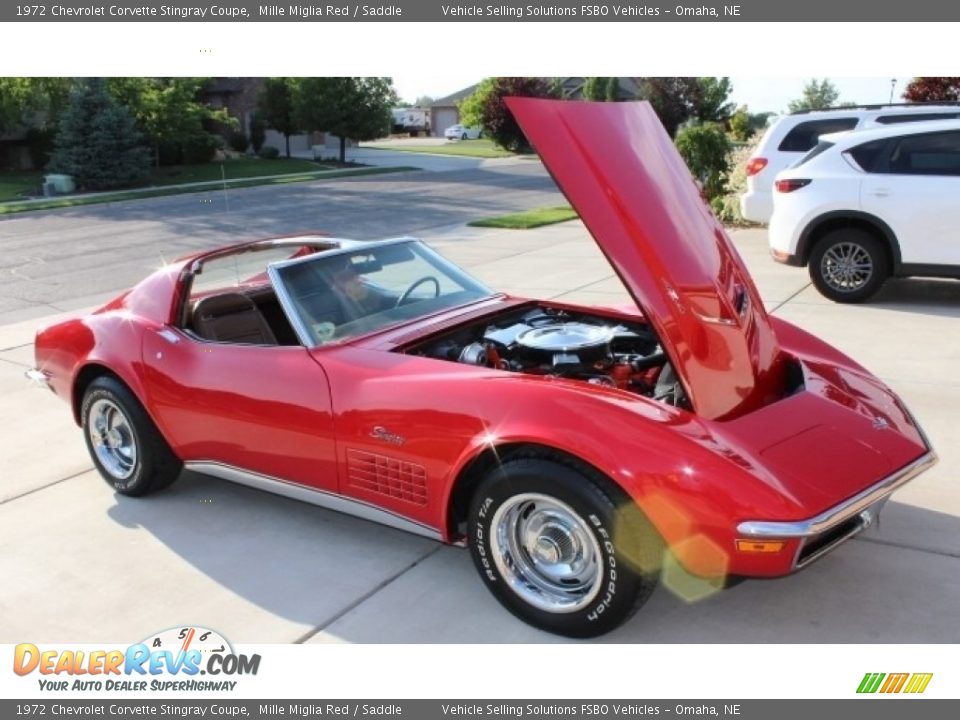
<point x="848" y="265"/>
<point x="557" y="551"/>
<point x="125" y="445"/>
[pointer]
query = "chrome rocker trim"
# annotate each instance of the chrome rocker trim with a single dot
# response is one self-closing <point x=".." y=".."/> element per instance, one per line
<point x="323" y="499"/>
<point x="862" y="507"/>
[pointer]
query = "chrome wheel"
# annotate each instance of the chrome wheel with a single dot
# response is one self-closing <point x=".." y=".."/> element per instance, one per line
<point x="112" y="438"/>
<point x="546" y="553"/>
<point x="846" y="267"/>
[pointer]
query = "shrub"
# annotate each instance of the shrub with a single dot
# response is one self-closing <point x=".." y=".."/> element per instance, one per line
<point x="706" y="149"/>
<point x="239" y="141"/>
<point x="269" y="153"/>
<point x="727" y="206"/>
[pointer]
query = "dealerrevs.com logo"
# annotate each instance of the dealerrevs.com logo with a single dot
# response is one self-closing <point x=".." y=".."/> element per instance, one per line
<point x="170" y="660"/>
<point x="894" y="682"/>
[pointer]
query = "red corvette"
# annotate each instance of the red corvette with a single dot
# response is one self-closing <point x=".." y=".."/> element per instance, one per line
<point x="569" y="447"/>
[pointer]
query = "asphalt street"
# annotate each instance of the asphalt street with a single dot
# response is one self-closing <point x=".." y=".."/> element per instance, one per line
<point x="80" y="563"/>
<point x="64" y="259"/>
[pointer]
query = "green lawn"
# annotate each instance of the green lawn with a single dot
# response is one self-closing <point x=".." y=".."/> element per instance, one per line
<point x="80" y="199"/>
<point x="231" y="169"/>
<point x="529" y="219"/>
<point x="481" y="148"/>
<point x="14" y="183"/>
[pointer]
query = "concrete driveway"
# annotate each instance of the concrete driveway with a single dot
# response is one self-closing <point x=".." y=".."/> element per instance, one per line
<point x="82" y="564"/>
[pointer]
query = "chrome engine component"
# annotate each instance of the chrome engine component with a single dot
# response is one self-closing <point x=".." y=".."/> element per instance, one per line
<point x="474" y="354"/>
<point x="566" y="337"/>
<point x="548" y="341"/>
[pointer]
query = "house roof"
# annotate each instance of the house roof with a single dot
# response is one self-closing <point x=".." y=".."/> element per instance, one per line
<point x="453" y="100"/>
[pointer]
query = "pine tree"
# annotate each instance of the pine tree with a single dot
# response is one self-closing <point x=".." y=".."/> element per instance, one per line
<point x="98" y="142"/>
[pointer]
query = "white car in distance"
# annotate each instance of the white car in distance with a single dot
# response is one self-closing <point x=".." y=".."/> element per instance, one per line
<point x="461" y="132"/>
<point x="867" y="205"/>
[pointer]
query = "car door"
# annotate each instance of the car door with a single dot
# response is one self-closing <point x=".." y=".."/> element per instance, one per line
<point x="914" y="189"/>
<point x="259" y="408"/>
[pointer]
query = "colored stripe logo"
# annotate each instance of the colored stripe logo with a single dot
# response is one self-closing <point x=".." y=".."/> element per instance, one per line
<point x="894" y="682"/>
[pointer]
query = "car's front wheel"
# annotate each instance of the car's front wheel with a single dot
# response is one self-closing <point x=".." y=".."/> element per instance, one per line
<point x="556" y="549"/>
<point x="848" y="265"/>
<point x="125" y="445"/>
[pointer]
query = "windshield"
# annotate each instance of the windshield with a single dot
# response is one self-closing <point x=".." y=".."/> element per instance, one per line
<point x="336" y="296"/>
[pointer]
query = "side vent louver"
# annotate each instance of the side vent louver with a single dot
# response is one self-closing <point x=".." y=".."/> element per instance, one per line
<point x="386" y="476"/>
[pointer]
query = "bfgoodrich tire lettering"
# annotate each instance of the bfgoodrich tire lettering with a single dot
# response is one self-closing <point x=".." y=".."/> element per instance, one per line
<point x="124" y="444"/>
<point x="558" y="551"/>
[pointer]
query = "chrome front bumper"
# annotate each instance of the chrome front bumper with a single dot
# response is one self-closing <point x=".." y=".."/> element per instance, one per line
<point x="822" y="533"/>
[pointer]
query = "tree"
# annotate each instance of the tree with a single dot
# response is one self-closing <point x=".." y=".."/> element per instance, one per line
<point x="172" y="116"/>
<point x="706" y="149"/>
<point x="98" y="143"/>
<point x="424" y="101"/>
<point x="933" y="89"/>
<point x="711" y="103"/>
<point x="471" y="107"/>
<point x="276" y="107"/>
<point x="816" y="96"/>
<point x="602" y="89"/>
<point x="35" y="102"/>
<point x="487" y="109"/>
<point x="674" y="99"/>
<point x="348" y="107"/>
<point x="740" y="126"/>
<point x="595" y="88"/>
<point x="611" y="92"/>
<point x="258" y="132"/>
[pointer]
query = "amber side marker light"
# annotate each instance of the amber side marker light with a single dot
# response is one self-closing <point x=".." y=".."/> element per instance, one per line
<point x="760" y="546"/>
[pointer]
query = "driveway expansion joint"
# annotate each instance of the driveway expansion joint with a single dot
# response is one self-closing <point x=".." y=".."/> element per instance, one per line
<point x="366" y="596"/>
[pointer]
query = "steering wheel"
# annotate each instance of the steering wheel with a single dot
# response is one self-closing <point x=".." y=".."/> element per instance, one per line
<point x="405" y="295"/>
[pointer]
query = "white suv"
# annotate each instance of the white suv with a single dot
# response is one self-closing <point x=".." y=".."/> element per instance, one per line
<point x="792" y="136"/>
<point x="863" y="206"/>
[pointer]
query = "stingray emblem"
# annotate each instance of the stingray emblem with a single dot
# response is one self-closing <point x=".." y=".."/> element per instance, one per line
<point x="381" y="433"/>
<point x="880" y="423"/>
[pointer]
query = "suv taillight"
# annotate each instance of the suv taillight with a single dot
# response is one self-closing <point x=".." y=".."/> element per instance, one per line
<point x="790" y="185"/>
<point x="755" y="165"/>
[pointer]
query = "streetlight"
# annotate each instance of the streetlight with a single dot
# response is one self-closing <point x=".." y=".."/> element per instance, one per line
<point x="893" y="85"/>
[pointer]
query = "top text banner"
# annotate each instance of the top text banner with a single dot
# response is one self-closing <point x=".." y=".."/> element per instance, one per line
<point x="513" y="11"/>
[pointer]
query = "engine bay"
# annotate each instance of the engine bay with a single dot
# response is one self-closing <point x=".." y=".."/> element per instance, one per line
<point x="566" y="344"/>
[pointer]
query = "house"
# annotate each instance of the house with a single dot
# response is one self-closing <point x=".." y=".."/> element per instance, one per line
<point x="239" y="97"/>
<point x="572" y="87"/>
<point x="446" y="112"/>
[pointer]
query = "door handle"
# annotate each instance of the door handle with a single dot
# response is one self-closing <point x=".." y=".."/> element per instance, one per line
<point x="880" y="192"/>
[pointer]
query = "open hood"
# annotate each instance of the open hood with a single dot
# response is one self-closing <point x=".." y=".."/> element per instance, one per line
<point x="620" y="171"/>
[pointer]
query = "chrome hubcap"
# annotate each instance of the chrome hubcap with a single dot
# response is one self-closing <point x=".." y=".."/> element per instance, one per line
<point x="546" y="553"/>
<point x="846" y="267"/>
<point x="112" y="438"/>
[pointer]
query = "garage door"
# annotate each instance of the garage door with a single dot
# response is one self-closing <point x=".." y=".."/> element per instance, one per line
<point x="442" y="118"/>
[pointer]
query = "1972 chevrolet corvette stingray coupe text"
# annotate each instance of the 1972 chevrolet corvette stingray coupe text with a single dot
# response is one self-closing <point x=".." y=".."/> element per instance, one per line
<point x="568" y="447"/>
